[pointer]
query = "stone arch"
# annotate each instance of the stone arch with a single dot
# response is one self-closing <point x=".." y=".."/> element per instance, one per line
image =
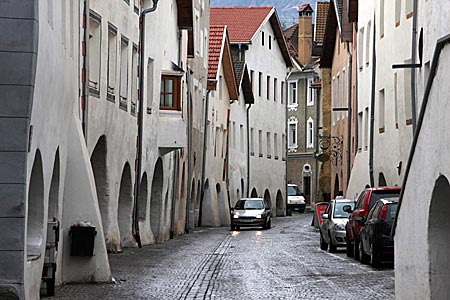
<point x="223" y="205"/>
<point x="53" y="197"/>
<point x="243" y="188"/>
<point x="381" y="180"/>
<point x="197" y="202"/>
<point x="35" y="208"/>
<point x="167" y="215"/>
<point x="99" y="168"/>
<point x="280" y="204"/>
<point x="336" y="186"/>
<point x="439" y="240"/>
<point x="143" y="196"/>
<point x="267" y="198"/>
<point x="156" y="201"/>
<point x="238" y="195"/>
<point x="191" y="211"/>
<point x="125" y="206"/>
<point x="254" y="193"/>
<point x="206" y="204"/>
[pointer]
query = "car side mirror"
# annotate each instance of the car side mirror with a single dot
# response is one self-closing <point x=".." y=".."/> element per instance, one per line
<point x="361" y="220"/>
<point x="325" y="216"/>
<point x="347" y="208"/>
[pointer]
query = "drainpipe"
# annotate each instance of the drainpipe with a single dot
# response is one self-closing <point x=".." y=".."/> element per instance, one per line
<point x="372" y="109"/>
<point x="189" y="149"/>
<point x="205" y="138"/>
<point x="316" y="184"/>
<point x="85" y="74"/>
<point x="286" y="129"/>
<point x="349" y="111"/>
<point x="356" y="105"/>
<point x="413" y="72"/>
<point x="140" y="122"/>
<point x="248" y="150"/>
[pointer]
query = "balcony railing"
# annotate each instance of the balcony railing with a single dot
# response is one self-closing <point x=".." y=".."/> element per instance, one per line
<point x="123" y="103"/>
<point x="110" y="96"/>
<point x="94" y="88"/>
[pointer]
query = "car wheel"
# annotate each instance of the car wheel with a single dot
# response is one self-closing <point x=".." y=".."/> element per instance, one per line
<point x="233" y="227"/>
<point x="269" y="223"/>
<point x="332" y="248"/>
<point x="302" y="210"/>
<point x="375" y="259"/>
<point x="323" y="244"/>
<point x="356" y="249"/>
<point x="363" y="257"/>
<point x="349" y="249"/>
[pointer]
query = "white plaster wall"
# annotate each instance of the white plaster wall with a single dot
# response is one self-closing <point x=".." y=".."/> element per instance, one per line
<point x="412" y="252"/>
<point x="388" y="154"/>
<point x="360" y="172"/>
<point x="267" y="115"/>
<point x="219" y="103"/>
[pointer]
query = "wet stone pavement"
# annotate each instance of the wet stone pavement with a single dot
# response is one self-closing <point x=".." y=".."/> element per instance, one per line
<point x="284" y="262"/>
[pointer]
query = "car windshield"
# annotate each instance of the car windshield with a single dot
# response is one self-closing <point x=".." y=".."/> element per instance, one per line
<point x="249" y="204"/>
<point x="382" y="195"/>
<point x="391" y="212"/>
<point x="339" y="209"/>
<point x="293" y="190"/>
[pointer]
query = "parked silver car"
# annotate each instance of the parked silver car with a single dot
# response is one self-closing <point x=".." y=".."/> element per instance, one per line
<point x="332" y="230"/>
<point x="251" y="212"/>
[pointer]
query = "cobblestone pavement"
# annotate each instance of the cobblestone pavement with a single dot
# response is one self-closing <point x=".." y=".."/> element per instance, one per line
<point x="284" y="262"/>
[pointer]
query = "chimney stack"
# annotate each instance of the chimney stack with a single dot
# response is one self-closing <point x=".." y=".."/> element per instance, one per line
<point x="305" y="34"/>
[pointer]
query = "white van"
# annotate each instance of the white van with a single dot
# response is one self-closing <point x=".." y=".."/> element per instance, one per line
<point x="295" y="200"/>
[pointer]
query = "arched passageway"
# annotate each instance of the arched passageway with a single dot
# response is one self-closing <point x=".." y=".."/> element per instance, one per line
<point x="336" y="186"/>
<point x="439" y="240"/>
<point x="254" y="193"/>
<point x="53" y="197"/>
<point x="35" y="208"/>
<point x="156" y="201"/>
<point x="280" y="206"/>
<point x="143" y="197"/>
<point x="223" y="205"/>
<point x="267" y="198"/>
<point x="98" y="163"/>
<point x="125" y="207"/>
<point x="381" y="180"/>
<point x="244" y="193"/>
<point x="192" y="206"/>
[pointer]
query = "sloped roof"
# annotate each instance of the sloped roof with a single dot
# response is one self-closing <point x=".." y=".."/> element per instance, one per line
<point x="321" y="21"/>
<point x="326" y="60"/>
<point x="243" y="24"/>
<point x="216" y="37"/>
<point x="304" y="7"/>
<point x="243" y="81"/>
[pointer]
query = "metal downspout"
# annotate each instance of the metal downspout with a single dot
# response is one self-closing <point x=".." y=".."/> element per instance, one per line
<point x="349" y="112"/>
<point x="85" y="76"/>
<point x="372" y="109"/>
<point x="205" y="139"/>
<point x="189" y="150"/>
<point x="286" y="137"/>
<point x="248" y="150"/>
<point x="137" y="184"/>
<point x="413" y="71"/>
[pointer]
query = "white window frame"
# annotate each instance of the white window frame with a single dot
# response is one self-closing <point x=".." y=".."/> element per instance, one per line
<point x="291" y="145"/>
<point x="310" y="133"/>
<point x="309" y="93"/>
<point x="290" y="102"/>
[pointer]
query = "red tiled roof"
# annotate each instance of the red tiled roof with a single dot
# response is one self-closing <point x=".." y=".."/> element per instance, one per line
<point x="304" y="7"/>
<point x="321" y="21"/>
<point x="215" y="48"/>
<point x="242" y="22"/>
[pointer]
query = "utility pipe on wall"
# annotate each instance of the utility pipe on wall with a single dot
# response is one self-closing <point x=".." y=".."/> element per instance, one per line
<point x="349" y="112"/>
<point x="372" y="108"/>
<point x="189" y="150"/>
<point x="413" y="72"/>
<point x="140" y="123"/>
<point x="248" y="151"/>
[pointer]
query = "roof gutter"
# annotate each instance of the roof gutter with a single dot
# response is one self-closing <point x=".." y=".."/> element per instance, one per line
<point x="140" y="122"/>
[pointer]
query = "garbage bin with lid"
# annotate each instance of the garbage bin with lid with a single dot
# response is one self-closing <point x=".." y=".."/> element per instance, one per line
<point x="82" y="240"/>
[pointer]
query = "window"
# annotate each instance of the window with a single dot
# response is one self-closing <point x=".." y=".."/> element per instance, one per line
<point x="381" y="111"/>
<point x="344" y="89"/>
<point x="309" y="94"/>
<point x="260" y="143"/>
<point x="360" y="130"/>
<point x="252" y="141"/>
<point x="366" y="128"/>
<point x="275" y="83"/>
<point x="409" y="8"/>
<point x="283" y="146"/>
<point x="269" y="145"/>
<point x="200" y="43"/>
<point x="252" y="82"/>
<point x="170" y="96"/>
<point x="382" y="19"/>
<point x="136" y="6"/>
<point x="407" y="93"/>
<point x="275" y="145"/>
<point x="310" y="133"/>
<point x="134" y="79"/>
<point x="292" y="93"/>
<point x="234" y="135"/>
<point x="263" y="38"/>
<point x="361" y="49"/>
<point x="259" y="84"/>
<point x="268" y="87"/>
<point x="242" y="137"/>
<point x="396" y="100"/>
<point x="337" y="101"/>
<point x="292" y="135"/>
<point x="368" y="44"/>
<point x="224" y="144"/>
<point x="123" y="103"/>
<point x="216" y="141"/>
<point x="333" y="100"/>
<point x="270" y="42"/>
<point x="112" y="62"/>
<point x="282" y="92"/>
<point x="398" y="9"/>
<point x="94" y="53"/>
<point x="220" y="87"/>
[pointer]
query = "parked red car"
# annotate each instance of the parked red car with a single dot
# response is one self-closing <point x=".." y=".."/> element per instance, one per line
<point x="365" y="202"/>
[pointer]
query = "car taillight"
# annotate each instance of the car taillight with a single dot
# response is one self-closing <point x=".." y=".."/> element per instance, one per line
<point x="383" y="212"/>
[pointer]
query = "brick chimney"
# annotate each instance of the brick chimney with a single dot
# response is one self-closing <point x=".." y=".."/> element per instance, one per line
<point x="305" y="34"/>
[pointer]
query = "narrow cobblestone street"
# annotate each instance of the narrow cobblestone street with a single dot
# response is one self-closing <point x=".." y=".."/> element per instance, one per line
<point x="284" y="262"/>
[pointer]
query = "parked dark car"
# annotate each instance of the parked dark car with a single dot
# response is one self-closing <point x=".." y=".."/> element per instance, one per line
<point x="251" y="212"/>
<point x="365" y="202"/>
<point x="377" y="245"/>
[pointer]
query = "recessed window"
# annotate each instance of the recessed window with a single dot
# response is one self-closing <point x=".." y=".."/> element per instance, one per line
<point x="398" y="9"/>
<point x="112" y="62"/>
<point x="262" y="37"/>
<point x="381" y="111"/>
<point x="310" y="133"/>
<point x="94" y="54"/>
<point x="270" y="42"/>
<point x="268" y="87"/>
<point x="241" y="127"/>
<point x="136" y="6"/>
<point x="366" y="128"/>
<point x="368" y="43"/>
<point x="292" y="93"/>
<point x="259" y="84"/>
<point x="309" y="93"/>
<point x="275" y="145"/>
<point x="382" y="19"/>
<point x="292" y="135"/>
<point x="123" y="102"/>
<point x="275" y="90"/>
<point x="360" y="130"/>
<point x="361" y="49"/>
<point x="407" y="93"/>
<point x="170" y="95"/>
<point x="252" y="141"/>
<point x="269" y="145"/>
<point x="283" y="145"/>
<point x="282" y="92"/>
<point x="260" y="143"/>
<point x="134" y="79"/>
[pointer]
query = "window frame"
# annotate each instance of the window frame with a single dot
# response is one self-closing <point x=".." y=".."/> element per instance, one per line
<point x="176" y="92"/>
